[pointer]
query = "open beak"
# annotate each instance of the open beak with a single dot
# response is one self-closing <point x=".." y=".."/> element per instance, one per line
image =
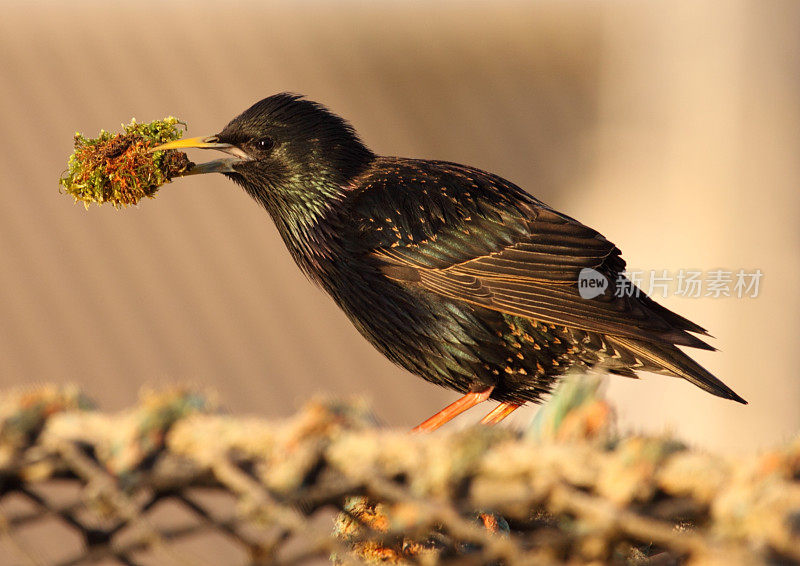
<point x="224" y="165"/>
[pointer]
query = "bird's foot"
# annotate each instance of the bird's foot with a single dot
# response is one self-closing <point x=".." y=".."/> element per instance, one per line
<point x="500" y="412"/>
<point x="453" y="410"/>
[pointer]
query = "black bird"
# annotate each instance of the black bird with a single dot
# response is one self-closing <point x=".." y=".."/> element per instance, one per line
<point x="453" y="273"/>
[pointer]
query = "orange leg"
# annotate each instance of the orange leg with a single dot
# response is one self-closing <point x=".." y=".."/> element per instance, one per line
<point x="451" y="411"/>
<point x="499" y="413"/>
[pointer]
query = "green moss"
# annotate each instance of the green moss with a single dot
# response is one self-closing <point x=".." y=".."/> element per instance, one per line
<point x="119" y="168"/>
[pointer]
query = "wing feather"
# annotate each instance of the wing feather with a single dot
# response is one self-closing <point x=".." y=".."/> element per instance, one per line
<point x="505" y="251"/>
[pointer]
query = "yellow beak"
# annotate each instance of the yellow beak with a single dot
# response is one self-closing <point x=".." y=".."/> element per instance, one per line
<point x="189" y="143"/>
<point x="224" y="165"/>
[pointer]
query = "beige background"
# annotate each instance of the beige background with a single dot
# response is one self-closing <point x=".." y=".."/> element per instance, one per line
<point x="671" y="127"/>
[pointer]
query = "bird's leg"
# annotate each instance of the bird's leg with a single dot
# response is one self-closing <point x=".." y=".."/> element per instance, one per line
<point x="453" y="410"/>
<point x="500" y="412"/>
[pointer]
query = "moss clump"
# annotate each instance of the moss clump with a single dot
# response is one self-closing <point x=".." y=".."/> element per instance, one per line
<point x="119" y="168"/>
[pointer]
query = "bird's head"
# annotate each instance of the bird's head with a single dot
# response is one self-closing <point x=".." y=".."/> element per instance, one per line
<point x="284" y="148"/>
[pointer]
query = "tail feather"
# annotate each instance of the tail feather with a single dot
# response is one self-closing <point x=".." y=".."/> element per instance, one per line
<point x="671" y="360"/>
<point x="677" y="321"/>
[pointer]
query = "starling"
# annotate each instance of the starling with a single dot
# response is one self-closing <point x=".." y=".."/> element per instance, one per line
<point x="455" y="274"/>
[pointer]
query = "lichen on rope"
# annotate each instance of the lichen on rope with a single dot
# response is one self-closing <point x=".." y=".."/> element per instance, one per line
<point x="120" y="168"/>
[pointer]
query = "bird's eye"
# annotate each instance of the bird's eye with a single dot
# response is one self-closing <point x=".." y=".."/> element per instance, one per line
<point x="264" y="144"/>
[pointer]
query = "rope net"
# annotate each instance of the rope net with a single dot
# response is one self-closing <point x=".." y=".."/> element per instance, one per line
<point x="174" y="481"/>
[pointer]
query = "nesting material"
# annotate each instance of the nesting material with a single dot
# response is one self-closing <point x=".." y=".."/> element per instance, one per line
<point x="120" y="168"/>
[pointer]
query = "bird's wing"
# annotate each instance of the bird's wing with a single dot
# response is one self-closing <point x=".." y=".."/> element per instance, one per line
<point x="471" y="236"/>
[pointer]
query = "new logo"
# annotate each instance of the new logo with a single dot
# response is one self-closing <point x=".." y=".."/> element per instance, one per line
<point x="591" y="283"/>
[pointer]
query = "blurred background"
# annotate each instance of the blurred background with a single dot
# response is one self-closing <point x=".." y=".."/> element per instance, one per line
<point x="671" y="127"/>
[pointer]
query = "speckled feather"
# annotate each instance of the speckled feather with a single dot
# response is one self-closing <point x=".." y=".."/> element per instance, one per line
<point x="455" y="274"/>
